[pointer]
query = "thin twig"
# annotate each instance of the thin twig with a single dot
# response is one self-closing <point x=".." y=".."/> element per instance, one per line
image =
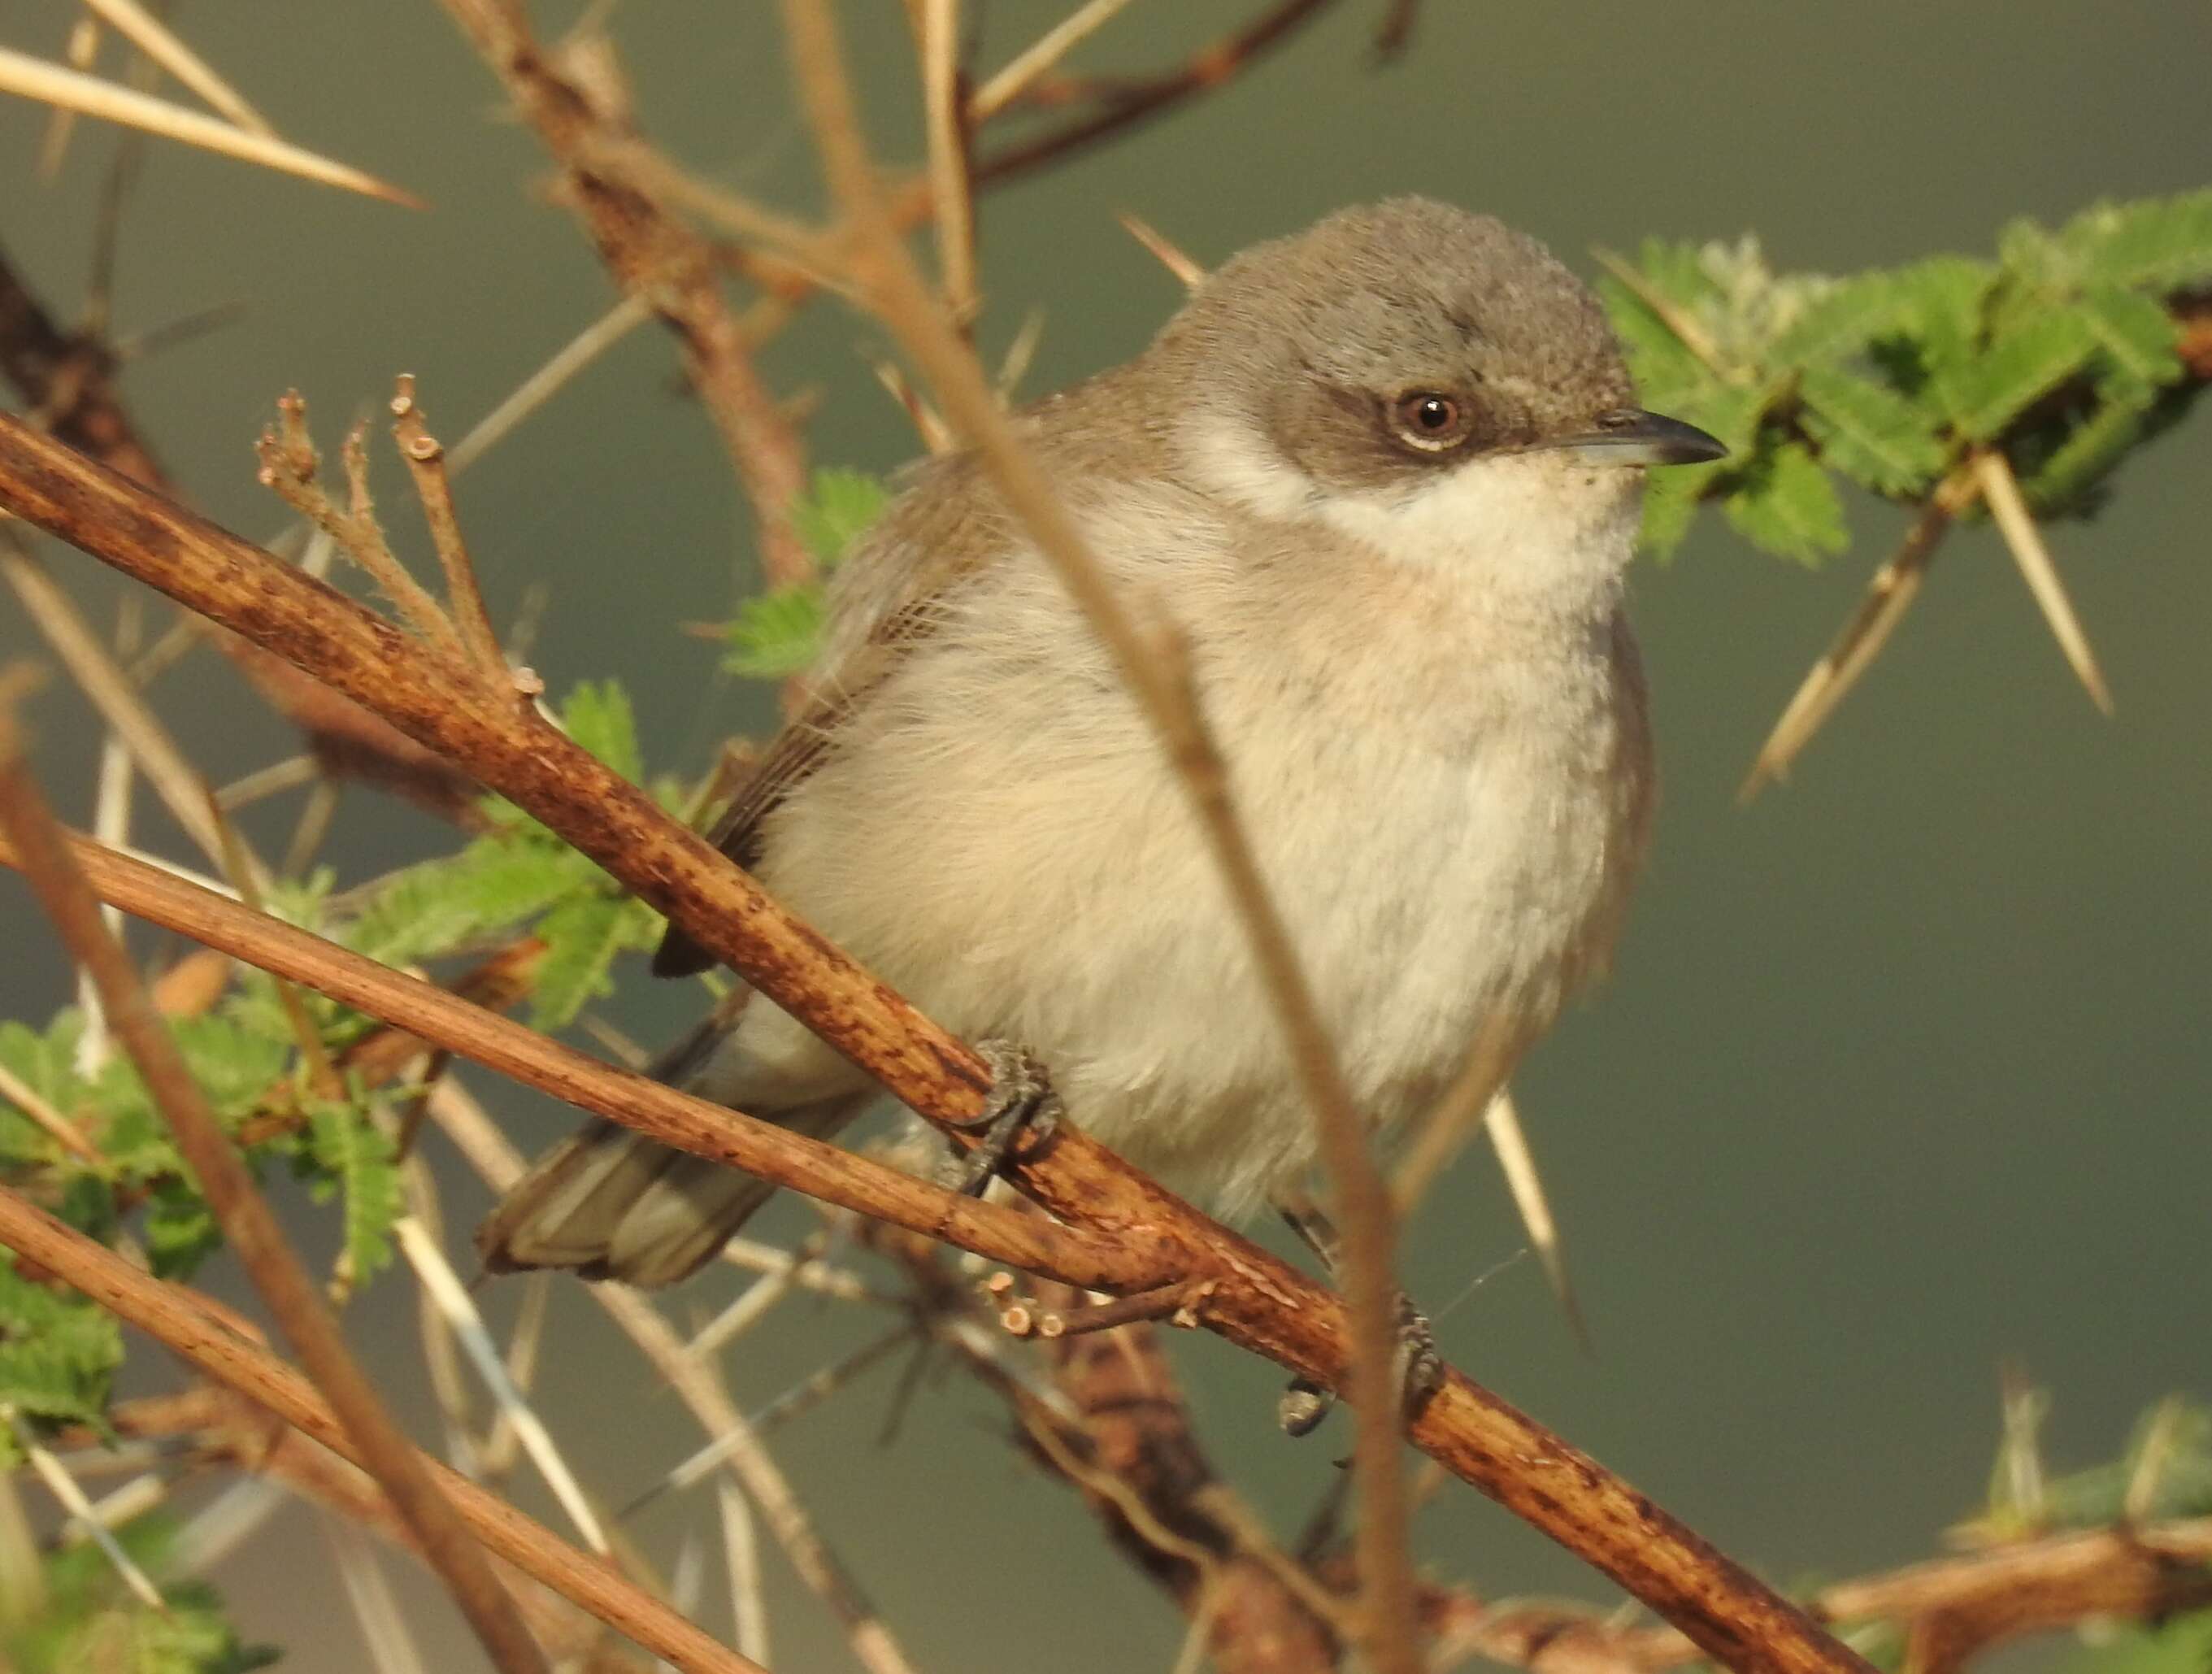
<point x="153" y="750"/>
<point x="653" y="255"/>
<point x="183" y="1321"/>
<point x="452" y="1299"/>
<point x="290" y="467"/>
<point x="946" y="120"/>
<point x="1120" y="1231"/>
<point x="68" y="89"/>
<point x="1125" y="104"/>
<point x="249" y="1226"/>
<point x="1157" y="675"/>
<point x="51" y="1122"/>
<point x="426" y="462"/>
<point x="72" y="1500"/>
<point x="741" y="1550"/>
<point x="1014" y="78"/>
<point x="541" y="386"/>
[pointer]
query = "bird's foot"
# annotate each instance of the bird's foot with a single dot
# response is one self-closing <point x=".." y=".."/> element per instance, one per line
<point x="1419" y="1368"/>
<point x="1022" y="1102"/>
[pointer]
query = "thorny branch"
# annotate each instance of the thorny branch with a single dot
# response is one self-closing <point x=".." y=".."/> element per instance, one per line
<point x="373" y="1437"/>
<point x="183" y="1322"/>
<point x="1143" y="1237"/>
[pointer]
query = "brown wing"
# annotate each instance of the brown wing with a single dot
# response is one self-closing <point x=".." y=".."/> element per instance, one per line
<point x="943" y="527"/>
<point x="796" y="751"/>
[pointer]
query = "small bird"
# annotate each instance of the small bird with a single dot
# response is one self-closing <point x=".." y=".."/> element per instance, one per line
<point x="1384" y="475"/>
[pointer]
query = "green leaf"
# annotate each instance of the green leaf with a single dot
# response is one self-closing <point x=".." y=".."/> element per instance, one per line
<point x="838" y="508"/>
<point x="1841" y="319"/>
<point x="777" y="633"/>
<point x="495" y="883"/>
<point x="348" y="1155"/>
<point x="42" y="1062"/>
<point x="581" y="938"/>
<point x="2065" y="482"/>
<point x="89" y="1620"/>
<point x="2180" y="1646"/>
<point x="1676" y="269"/>
<point x="597" y="716"/>
<point x="1988" y="392"/>
<point x="1868" y="432"/>
<point x="2163" y="244"/>
<point x="180" y="1230"/>
<point x="1670" y="504"/>
<point x="1938" y="325"/>
<point x="234" y="1066"/>
<point x="1662" y="364"/>
<point x="57" y="1353"/>
<point x="2135" y="336"/>
<point x="1785" y="504"/>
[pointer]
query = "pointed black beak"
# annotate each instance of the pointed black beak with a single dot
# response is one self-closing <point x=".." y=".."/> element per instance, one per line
<point x="1629" y="435"/>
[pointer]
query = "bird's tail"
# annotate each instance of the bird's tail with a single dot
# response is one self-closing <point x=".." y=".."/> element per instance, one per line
<point x="610" y="1204"/>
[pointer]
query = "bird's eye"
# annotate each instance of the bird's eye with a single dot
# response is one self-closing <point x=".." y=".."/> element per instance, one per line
<point x="1429" y="421"/>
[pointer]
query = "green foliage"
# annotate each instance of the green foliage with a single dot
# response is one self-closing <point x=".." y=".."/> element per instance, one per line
<point x="57" y="1353"/>
<point x="2165" y="1472"/>
<point x="2183" y="1646"/>
<point x="2061" y="352"/>
<point x="839" y="506"/>
<point x="778" y="633"/>
<point x="56" y="1350"/>
<point x="353" y="1160"/>
<point x="85" y="1619"/>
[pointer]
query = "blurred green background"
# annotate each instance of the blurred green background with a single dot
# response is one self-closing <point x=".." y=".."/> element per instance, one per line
<point x="1905" y="1070"/>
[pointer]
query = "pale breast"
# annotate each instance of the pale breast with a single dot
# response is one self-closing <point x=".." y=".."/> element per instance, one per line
<point x="1000" y="837"/>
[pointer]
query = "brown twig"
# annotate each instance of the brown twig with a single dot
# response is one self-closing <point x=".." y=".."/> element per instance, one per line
<point x="1141" y="1236"/>
<point x="1158" y="674"/>
<point x="248" y="1225"/>
<point x="291" y="467"/>
<point x="1125" y="104"/>
<point x="69" y="379"/>
<point x="426" y="1012"/>
<point x="737" y="1447"/>
<point x="652" y="254"/>
<point x="178" y="1319"/>
<point x="1136" y="1463"/>
<point x="426" y="463"/>
<point x="946" y="120"/>
<point x="1011" y="81"/>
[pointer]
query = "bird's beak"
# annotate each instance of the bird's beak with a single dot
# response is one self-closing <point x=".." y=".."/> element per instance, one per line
<point x="1633" y="436"/>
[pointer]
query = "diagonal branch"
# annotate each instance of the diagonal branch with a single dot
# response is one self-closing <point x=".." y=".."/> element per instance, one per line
<point x="181" y="1320"/>
<point x="373" y="1436"/>
<point x="652" y="254"/>
<point x="1151" y="1237"/>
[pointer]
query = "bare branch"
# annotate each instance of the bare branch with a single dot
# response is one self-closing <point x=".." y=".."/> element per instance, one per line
<point x="249" y="1226"/>
<point x="183" y="1321"/>
<point x="1127" y="1235"/>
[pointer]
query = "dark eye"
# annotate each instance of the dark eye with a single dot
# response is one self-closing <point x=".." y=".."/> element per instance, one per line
<point x="1429" y="421"/>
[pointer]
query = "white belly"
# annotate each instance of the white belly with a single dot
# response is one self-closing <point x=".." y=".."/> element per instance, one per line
<point x="1056" y="891"/>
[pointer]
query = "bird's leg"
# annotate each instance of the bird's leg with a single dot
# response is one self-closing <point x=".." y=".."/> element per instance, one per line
<point x="1021" y="1101"/>
<point x="1305" y="1403"/>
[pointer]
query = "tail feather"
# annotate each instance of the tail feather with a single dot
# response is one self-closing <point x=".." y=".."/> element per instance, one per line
<point x="610" y="1204"/>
